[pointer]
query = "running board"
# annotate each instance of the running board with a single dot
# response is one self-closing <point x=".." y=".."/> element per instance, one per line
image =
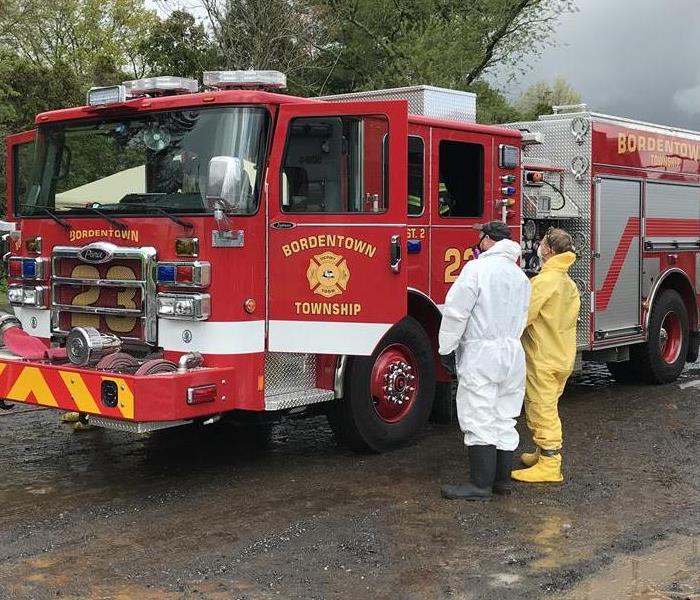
<point x="133" y="427"/>
<point x="299" y="398"/>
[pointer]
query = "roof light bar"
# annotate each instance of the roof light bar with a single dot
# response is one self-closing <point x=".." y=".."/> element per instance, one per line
<point x="155" y="86"/>
<point x="223" y="80"/>
<point x="99" y="96"/>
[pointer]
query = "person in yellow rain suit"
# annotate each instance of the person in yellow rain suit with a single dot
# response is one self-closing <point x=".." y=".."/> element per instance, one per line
<point x="549" y="342"/>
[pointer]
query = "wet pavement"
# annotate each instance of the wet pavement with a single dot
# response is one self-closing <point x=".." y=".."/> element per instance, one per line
<point x="216" y="512"/>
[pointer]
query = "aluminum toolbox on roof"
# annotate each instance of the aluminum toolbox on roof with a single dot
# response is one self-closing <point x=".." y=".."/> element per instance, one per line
<point x="423" y="100"/>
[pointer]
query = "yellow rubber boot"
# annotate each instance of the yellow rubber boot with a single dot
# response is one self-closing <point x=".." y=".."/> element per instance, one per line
<point x="529" y="459"/>
<point x="70" y="417"/>
<point x="546" y="470"/>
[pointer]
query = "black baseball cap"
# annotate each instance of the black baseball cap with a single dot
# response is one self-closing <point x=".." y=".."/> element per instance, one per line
<point x="496" y="230"/>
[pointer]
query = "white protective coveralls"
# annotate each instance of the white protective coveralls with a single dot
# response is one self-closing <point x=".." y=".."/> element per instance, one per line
<point x="484" y="316"/>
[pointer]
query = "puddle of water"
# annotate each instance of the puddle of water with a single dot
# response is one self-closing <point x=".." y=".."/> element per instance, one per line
<point x="668" y="572"/>
<point x="549" y="537"/>
<point x="504" y="580"/>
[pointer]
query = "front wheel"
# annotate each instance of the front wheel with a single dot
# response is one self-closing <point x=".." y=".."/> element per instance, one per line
<point x="662" y="358"/>
<point x="388" y="396"/>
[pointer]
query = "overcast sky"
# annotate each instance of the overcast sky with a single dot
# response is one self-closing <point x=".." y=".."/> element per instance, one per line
<point x="630" y="58"/>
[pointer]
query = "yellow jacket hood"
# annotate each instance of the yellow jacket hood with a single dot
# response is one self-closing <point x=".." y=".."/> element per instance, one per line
<point x="560" y="262"/>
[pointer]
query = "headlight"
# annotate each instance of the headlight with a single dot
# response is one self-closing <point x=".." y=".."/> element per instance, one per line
<point x="187" y="307"/>
<point x="27" y="296"/>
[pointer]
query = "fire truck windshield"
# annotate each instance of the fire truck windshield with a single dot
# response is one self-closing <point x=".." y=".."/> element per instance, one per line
<point x="147" y="164"/>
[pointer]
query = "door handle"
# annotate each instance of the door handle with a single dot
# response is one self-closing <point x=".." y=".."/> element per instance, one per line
<point x="395" y="253"/>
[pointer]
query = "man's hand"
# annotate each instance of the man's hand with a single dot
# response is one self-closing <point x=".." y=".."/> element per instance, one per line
<point x="449" y="362"/>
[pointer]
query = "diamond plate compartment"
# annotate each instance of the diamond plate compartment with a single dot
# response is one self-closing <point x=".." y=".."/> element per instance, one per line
<point x="559" y="149"/>
<point x="290" y="381"/>
<point x="287" y="373"/>
<point x="423" y="100"/>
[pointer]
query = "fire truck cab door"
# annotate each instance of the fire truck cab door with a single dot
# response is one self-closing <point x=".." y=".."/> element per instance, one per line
<point x="336" y="226"/>
<point x="19" y="155"/>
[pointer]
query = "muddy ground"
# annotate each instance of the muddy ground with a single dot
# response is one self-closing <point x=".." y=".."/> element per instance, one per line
<point x="202" y="513"/>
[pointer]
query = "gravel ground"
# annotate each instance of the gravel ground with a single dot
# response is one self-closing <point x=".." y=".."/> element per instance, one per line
<point x="216" y="513"/>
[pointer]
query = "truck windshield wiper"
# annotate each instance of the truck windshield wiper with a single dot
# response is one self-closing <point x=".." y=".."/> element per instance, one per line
<point x="98" y="212"/>
<point x="67" y="226"/>
<point x="160" y="210"/>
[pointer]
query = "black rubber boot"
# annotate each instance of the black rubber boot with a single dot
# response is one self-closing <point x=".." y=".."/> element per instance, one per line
<point x="482" y="473"/>
<point x="503" y="484"/>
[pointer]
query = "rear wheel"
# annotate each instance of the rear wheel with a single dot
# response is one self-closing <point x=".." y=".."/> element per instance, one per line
<point x="388" y="395"/>
<point x="662" y="358"/>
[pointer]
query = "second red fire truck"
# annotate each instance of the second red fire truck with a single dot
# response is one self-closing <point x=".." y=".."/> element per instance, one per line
<point x="175" y="255"/>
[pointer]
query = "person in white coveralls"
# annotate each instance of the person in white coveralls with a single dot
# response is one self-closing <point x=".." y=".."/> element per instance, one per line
<point x="484" y="316"/>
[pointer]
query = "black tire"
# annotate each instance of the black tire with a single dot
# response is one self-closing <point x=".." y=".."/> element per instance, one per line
<point x="647" y="358"/>
<point x="623" y="372"/>
<point x="444" y="405"/>
<point x="355" y="420"/>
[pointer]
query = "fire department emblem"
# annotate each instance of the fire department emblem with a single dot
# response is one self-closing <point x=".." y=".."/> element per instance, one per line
<point x="328" y="274"/>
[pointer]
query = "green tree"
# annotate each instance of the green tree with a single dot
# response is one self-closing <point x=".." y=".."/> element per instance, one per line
<point x="491" y="105"/>
<point x="451" y="43"/>
<point x="179" y="46"/>
<point x="541" y="96"/>
<point x="82" y="34"/>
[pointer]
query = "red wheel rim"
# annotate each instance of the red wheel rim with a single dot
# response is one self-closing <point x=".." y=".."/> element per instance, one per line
<point x="394" y="383"/>
<point x="670" y="338"/>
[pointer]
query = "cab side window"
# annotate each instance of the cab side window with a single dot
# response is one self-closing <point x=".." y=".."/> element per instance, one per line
<point x="415" y="175"/>
<point x="335" y="165"/>
<point x="461" y="184"/>
<point x="23" y="155"/>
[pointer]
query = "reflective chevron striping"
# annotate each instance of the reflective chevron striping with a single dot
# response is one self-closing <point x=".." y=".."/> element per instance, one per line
<point x="31" y="382"/>
<point x="68" y="390"/>
<point x="79" y="392"/>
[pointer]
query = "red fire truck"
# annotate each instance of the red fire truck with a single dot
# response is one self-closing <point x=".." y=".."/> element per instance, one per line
<point x="629" y="192"/>
<point x="176" y="255"/>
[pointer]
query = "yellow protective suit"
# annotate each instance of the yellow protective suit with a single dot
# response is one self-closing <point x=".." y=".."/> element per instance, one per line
<point x="549" y="342"/>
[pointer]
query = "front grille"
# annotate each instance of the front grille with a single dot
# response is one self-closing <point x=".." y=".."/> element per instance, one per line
<point x="116" y="296"/>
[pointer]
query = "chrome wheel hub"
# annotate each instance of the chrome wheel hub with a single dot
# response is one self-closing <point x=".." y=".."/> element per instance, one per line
<point x="398" y="383"/>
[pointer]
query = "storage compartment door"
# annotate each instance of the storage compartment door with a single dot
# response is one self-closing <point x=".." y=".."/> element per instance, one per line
<point x="617" y="258"/>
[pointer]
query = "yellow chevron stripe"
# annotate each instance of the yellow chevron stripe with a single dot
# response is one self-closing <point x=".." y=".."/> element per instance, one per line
<point x="31" y="381"/>
<point x="126" y="397"/>
<point x="78" y="390"/>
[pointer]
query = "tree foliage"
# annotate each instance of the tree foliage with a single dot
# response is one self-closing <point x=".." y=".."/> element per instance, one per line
<point x="541" y="96"/>
<point x="81" y="34"/>
<point x="179" y="45"/>
<point x="451" y="43"/>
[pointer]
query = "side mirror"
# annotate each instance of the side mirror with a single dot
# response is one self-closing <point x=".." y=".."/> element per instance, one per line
<point x="225" y="183"/>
